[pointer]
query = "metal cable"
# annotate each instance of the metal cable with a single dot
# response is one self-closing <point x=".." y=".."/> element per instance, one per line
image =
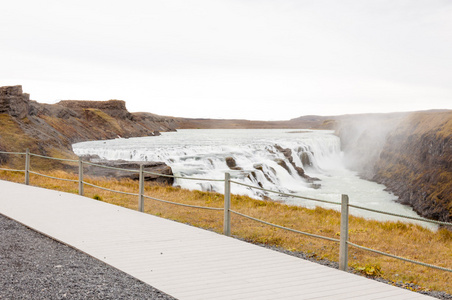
<point x="402" y="216"/>
<point x="401" y="258"/>
<point x="112" y="168"/>
<point x="180" y="177"/>
<point x="12" y="170"/>
<point x="285" y="228"/>
<point x="102" y="188"/>
<point x="163" y="175"/>
<point x="17" y="153"/>
<point x="64" y="179"/>
<point x="182" y="204"/>
<point x="285" y="194"/>
<point x="54" y="158"/>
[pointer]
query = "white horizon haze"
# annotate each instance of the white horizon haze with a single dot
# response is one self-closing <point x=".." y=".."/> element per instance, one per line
<point x="232" y="59"/>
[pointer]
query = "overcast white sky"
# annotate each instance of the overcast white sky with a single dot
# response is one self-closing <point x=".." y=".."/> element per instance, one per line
<point x="259" y="60"/>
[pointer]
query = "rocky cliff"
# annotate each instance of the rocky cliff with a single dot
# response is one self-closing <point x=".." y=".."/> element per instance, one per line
<point x="50" y="129"/>
<point x="416" y="163"/>
<point x="410" y="153"/>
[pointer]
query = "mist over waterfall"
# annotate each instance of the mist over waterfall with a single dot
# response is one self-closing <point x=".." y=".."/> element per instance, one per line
<point x="302" y="162"/>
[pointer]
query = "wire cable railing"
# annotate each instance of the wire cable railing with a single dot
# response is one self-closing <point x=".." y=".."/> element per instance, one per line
<point x="53" y="158"/>
<point x="400" y="216"/>
<point x="52" y="177"/>
<point x="285" y="194"/>
<point x="15" y="153"/>
<point x="110" y="168"/>
<point x="12" y="170"/>
<point x="110" y="190"/>
<point x="345" y="205"/>
<point x="399" y="257"/>
<point x="12" y="153"/>
<point x="183" y="204"/>
<point x="286" y="228"/>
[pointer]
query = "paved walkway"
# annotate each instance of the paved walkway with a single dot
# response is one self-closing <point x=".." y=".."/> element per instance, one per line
<point x="180" y="260"/>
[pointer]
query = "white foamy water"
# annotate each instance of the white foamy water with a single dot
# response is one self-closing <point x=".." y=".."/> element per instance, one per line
<point x="202" y="153"/>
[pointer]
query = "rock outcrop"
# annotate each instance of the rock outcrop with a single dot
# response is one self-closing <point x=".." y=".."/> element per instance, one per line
<point x="13" y="101"/>
<point x="156" y="168"/>
<point x="300" y="171"/>
<point x="232" y="164"/>
<point x="114" y="108"/>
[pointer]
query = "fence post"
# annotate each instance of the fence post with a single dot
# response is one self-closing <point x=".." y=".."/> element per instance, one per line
<point x="80" y="177"/>
<point x="343" y="246"/>
<point x="141" y="192"/>
<point x="27" y="166"/>
<point x="227" y="205"/>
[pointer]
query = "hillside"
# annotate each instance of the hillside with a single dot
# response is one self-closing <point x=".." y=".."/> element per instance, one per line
<point x="51" y="129"/>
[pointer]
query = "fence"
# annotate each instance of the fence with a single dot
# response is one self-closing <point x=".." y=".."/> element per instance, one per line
<point x="344" y="242"/>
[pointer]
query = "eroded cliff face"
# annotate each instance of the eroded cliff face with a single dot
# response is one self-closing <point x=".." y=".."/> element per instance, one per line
<point x="410" y="153"/>
<point x="416" y="163"/>
<point x="52" y="128"/>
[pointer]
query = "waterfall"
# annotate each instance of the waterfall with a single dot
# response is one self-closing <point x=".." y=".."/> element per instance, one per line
<point x="271" y="161"/>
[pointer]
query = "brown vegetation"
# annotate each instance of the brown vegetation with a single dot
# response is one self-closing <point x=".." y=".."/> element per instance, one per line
<point x="406" y="240"/>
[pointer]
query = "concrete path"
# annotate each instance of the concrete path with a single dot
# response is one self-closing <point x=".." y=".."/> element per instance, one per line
<point x="180" y="260"/>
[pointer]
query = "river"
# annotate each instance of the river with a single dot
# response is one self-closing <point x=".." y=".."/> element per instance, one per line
<point x="202" y="153"/>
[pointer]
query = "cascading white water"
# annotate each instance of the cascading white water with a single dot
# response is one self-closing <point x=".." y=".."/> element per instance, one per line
<point x="260" y="161"/>
<point x="203" y="153"/>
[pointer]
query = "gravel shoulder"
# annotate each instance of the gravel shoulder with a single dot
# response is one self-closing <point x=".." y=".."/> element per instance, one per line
<point x="34" y="266"/>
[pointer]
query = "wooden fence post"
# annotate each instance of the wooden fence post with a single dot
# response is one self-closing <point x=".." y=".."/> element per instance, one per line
<point x="80" y="177"/>
<point x="343" y="246"/>
<point x="227" y="205"/>
<point x="27" y="166"/>
<point x="141" y="190"/>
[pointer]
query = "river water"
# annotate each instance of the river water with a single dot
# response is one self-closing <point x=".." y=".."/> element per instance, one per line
<point x="201" y="153"/>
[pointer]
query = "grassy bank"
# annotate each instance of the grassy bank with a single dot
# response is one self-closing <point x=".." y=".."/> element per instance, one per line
<point x="406" y="240"/>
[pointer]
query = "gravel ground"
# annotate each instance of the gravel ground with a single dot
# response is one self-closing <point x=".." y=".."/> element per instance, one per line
<point x="33" y="266"/>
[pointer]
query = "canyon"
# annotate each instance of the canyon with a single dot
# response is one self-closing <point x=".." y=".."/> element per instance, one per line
<point x="409" y="152"/>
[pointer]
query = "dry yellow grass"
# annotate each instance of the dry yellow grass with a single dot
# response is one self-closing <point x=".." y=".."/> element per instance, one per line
<point x="406" y="240"/>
